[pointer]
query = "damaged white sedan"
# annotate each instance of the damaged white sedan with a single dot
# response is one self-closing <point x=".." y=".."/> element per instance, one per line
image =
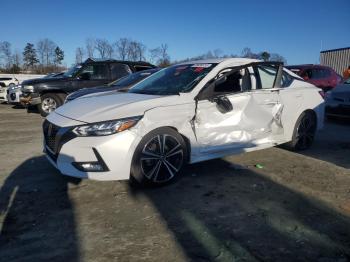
<point x="185" y="113"/>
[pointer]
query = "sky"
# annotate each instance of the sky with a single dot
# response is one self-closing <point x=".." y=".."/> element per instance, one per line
<point x="297" y="29"/>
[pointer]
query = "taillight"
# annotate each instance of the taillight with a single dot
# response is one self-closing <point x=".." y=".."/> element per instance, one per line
<point x="322" y="93"/>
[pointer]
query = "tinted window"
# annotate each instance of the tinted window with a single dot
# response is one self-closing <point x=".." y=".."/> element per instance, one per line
<point x="140" y="68"/>
<point x="132" y="79"/>
<point x="5" y="79"/>
<point x="96" y="71"/>
<point x="319" y="73"/>
<point x="119" y="70"/>
<point x="267" y="75"/>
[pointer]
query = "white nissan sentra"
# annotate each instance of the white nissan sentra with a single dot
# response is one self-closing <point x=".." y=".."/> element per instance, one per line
<point x="185" y="113"/>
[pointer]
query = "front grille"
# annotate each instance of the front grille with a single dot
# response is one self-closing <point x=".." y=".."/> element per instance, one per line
<point x="50" y="132"/>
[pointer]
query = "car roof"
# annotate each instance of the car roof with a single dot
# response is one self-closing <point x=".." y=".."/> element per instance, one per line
<point x="101" y="60"/>
<point x="305" y="66"/>
<point x="237" y="61"/>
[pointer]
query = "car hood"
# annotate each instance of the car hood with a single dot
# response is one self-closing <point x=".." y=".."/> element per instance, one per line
<point x="91" y="90"/>
<point x="107" y="106"/>
<point x="36" y="81"/>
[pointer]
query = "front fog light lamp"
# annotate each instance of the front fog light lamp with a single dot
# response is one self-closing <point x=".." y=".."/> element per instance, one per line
<point x="106" y="128"/>
<point x="94" y="166"/>
<point x="89" y="166"/>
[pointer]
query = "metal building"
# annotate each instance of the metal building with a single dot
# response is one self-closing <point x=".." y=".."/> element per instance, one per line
<point x="338" y="59"/>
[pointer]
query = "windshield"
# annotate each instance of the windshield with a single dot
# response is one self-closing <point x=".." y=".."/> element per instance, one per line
<point x="173" y="80"/>
<point x="133" y="78"/>
<point x="72" y="71"/>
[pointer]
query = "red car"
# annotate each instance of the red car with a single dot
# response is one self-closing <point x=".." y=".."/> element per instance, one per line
<point x="322" y="76"/>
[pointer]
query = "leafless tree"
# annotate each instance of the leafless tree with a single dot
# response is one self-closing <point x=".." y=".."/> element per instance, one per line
<point x="90" y="46"/>
<point x="6" y="53"/>
<point x="79" y="55"/>
<point x="46" y="51"/>
<point x="136" y="51"/>
<point x="17" y="58"/>
<point x="104" y="48"/>
<point x="160" y="55"/>
<point x="122" y="48"/>
<point x="217" y="53"/>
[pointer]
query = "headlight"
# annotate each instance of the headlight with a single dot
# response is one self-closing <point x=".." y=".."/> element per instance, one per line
<point x="106" y="128"/>
<point x="28" y="89"/>
<point x="15" y="87"/>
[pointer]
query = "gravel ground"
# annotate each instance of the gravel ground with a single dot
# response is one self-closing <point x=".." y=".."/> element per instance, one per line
<point x="295" y="208"/>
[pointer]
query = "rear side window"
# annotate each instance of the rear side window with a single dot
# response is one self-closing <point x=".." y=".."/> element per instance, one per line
<point x="319" y="73"/>
<point x="286" y="79"/>
<point x="96" y="71"/>
<point x="5" y="79"/>
<point x="267" y="75"/>
<point x="119" y="71"/>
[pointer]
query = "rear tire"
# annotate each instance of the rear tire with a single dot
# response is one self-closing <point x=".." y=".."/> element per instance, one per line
<point x="304" y="132"/>
<point x="49" y="103"/>
<point x="159" y="158"/>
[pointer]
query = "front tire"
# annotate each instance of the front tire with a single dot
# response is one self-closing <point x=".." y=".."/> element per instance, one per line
<point x="159" y="157"/>
<point x="49" y="103"/>
<point x="304" y="132"/>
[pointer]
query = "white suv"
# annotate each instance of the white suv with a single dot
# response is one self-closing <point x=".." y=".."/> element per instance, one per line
<point x="185" y="113"/>
<point x="5" y="83"/>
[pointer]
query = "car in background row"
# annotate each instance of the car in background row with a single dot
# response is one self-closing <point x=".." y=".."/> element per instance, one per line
<point x="185" y="113"/>
<point x="5" y="83"/>
<point x="321" y="76"/>
<point x="123" y="84"/>
<point x="49" y="93"/>
<point x="338" y="101"/>
<point x="14" y="93"/>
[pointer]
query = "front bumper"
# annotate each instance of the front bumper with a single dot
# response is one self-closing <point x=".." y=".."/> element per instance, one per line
<point x="116" y="151"/>
<point x="3" y="94"/>
<point x="340" y="110"/>
<point x="31" y="99"/>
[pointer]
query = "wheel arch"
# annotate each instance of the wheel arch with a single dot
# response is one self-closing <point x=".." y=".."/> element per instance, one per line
<point x="187" y="142"/>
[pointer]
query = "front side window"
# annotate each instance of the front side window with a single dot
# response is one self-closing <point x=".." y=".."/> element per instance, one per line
<point x="173" y="80"/>
<point x="236" y="81"/>
<point x="95" y="71"/>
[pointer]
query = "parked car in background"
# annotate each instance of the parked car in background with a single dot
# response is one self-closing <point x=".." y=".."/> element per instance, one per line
<point x="49" y="93"/>
<point x="338" y="101"/>
<point x="5" y="83"/>
<point x="186" y="113"/>
<point x="122" y="84"/>
<point x="14" y="93"/>
<point x="321" y="76"/>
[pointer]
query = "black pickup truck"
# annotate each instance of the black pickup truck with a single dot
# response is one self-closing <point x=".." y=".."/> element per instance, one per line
<point x="49" y="93"/>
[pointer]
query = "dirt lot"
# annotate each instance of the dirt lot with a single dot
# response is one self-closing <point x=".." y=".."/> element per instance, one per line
<point x="297" y="207"/>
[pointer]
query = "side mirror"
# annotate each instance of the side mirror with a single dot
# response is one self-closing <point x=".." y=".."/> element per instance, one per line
<point x="84" y="76"/>
<point x="223" y="104"/>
